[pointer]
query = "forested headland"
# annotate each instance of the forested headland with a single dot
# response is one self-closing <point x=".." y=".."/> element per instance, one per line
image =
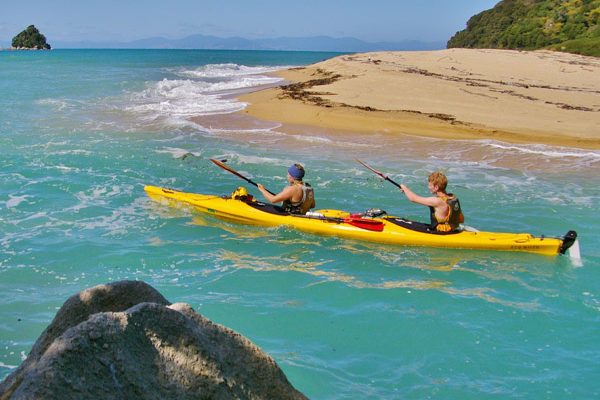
<point x="565" y="25"/>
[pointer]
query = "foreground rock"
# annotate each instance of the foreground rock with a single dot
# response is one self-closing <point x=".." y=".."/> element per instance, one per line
<point x="126" y="341"/>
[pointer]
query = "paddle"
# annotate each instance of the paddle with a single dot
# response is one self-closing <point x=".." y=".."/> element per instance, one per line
<point x="363" y="223"/>
<point x="379" y="173"/>
<point x="225" y="167"/>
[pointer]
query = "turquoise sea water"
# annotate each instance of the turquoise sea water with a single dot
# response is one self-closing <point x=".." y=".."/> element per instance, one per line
<point x="82" y="131"/>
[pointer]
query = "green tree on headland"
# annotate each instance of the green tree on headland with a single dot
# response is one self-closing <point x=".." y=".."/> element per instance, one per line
<point x="30" y="38"/>
<point x="567" y="25"/>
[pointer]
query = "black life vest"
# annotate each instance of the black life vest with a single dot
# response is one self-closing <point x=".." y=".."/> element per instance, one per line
<point x="453" y="220"/>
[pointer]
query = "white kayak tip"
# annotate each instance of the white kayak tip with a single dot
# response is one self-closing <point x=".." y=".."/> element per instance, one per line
<point x="575" y="254"/>
<point x="468" y="228"/>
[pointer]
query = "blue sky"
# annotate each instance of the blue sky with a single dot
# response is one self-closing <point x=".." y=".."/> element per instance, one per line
<point x="127" y="20"/>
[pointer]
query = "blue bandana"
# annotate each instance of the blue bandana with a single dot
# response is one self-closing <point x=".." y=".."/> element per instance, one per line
<point x="296" y="172"/>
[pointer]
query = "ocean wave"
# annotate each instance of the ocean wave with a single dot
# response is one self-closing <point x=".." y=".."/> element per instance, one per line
<point x="2" y="365"/>
<point x="270" y="132"/>
<point x="181" y="98"/>
<point x="548" y="151"/>
<point x="69" y="152"/>
<point x="207" y="90"/>
<point x="277" y="133"/>
<point x="177" y="152"/>
<point x="58" y="105"/>
<point x="239" y="158"/>
<point x="227" y="70"/>
<point x="502" y="155"/>
<point x="14" y="201"/>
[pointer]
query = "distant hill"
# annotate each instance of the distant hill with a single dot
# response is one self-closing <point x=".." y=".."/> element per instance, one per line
<point x="317" y="43"/>
<point x="567" y="25"/>
<point x="30" y="38"/>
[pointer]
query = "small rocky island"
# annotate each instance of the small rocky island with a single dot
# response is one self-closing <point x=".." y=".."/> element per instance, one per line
<point x="30" y="39"/>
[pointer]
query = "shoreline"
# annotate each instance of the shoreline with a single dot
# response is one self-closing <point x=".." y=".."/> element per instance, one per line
<point x="511" y="96"/>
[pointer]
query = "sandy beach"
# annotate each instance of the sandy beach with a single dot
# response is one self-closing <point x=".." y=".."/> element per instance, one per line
<point x="513" y="96"/>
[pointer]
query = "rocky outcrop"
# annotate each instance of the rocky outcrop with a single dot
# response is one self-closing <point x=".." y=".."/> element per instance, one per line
<point x="30" y="39"/>
<point x="126" y="341"/>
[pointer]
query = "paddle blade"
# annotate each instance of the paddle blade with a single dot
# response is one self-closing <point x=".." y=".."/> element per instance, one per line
<point x="367" y="224"/>
<point x="225" y="167"/>
<point x="380" y="174"/>
<point x="374" y="170"/>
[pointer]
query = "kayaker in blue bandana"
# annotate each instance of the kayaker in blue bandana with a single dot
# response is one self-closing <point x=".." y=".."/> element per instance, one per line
<point x="298" y="197"/>
<point x="445" y="212"/>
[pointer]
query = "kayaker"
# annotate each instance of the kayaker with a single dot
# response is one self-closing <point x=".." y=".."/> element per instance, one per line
<point x="298" y="197"/>
<point x="444" y="208"/>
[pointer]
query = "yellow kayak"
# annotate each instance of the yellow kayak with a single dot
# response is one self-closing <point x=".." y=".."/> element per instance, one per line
<point x="242" y="208"/>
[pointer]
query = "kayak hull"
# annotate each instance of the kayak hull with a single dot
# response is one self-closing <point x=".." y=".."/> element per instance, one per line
<point x="390" y="230"/>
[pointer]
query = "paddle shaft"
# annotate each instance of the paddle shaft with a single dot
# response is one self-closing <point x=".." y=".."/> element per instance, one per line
<point x="395" y="183"/>
<point x="225" y="167"/>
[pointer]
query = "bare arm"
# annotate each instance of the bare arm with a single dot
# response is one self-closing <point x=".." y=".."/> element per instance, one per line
<point x="285" y="194"/>
<point x="415" y="198"/>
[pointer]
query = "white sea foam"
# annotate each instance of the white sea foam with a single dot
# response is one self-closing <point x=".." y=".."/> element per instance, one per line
<point x="495" y="154"/>
<point x="118" y="222"/>
<point x="248" y="159"/>
<point x="70" y="152"/>
<point x="14" y="201"/>
<point x="227" y="70"/>
<point x="177" y="152"/>
<point x="306" y="138"/>
<point x="273" y="133"/>
<point x="181" y="98"/>
<point x="98" y="195"/>
<point x="7" y="366"/>
<point x="206" y="90"/>
<point x="548" y="151"/>
<point x="58" y="105"/>
<point x="270" y="132"/>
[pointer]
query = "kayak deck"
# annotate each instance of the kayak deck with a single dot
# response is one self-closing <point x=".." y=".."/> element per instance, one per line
<point x="385" y="229"/>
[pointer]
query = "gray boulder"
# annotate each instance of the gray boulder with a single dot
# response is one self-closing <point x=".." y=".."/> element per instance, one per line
<point x="124" y="340"/>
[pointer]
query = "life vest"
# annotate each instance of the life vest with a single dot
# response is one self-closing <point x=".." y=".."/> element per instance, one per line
<point x="453" y="219"/>
<point x="300" y="207"/>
